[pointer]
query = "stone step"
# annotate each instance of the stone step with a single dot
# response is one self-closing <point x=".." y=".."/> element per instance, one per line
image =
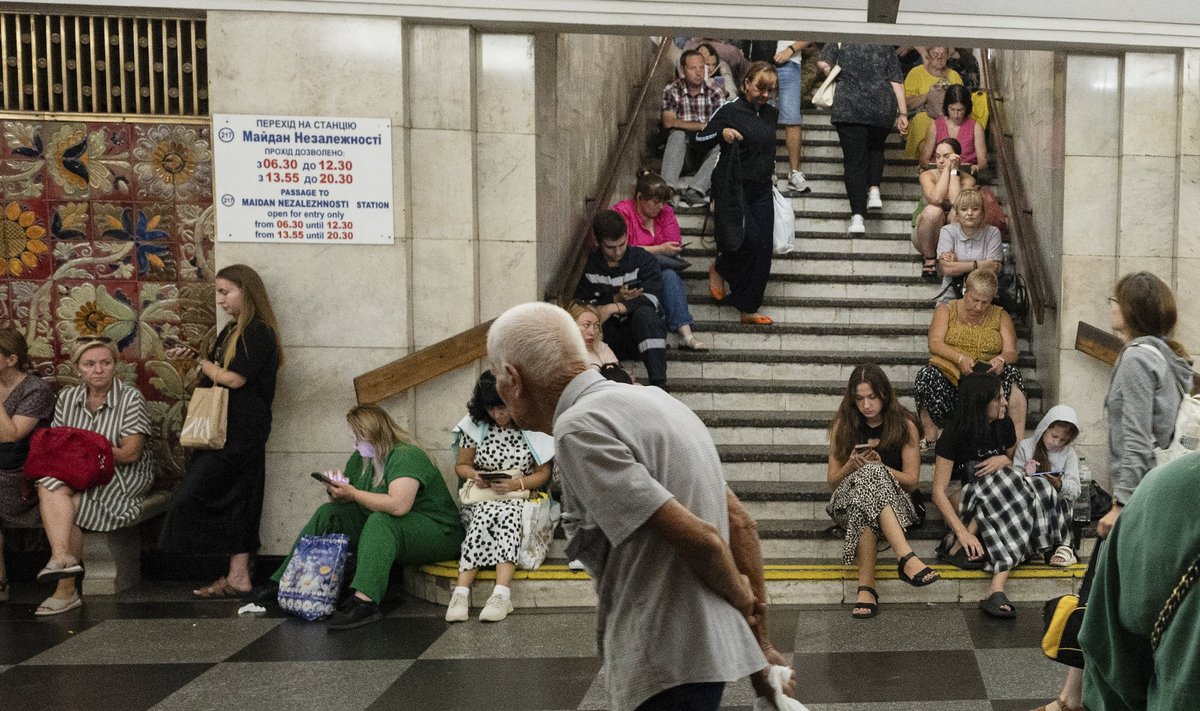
<point x="817" y="310"/>
<point x="832" y="164"/>
<point x="822" y="208"/>
<point x="891" y="223"/>
<point x="729" y="388"/>
<point x="553" y="585"/>
<point x="834" y="199"/>
<point x="850" y="339"/>
<point x="825" y="136"/>
<point x="700" y="237"/>
<point x="826" y="149"/>
<point x="826" y="186"/>
<point x="830" y="263"/>
<point x="826" y="285"/>
<point x="780" y="427"/>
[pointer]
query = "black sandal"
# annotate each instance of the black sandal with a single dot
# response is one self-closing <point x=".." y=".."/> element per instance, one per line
<point x="929" y="269"/>
<point x="921" y="579"/>
<point x="994" y="603"/>
<point x="872" y="608"/>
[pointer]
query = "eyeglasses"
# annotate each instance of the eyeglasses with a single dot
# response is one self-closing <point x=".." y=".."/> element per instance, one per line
<point x="1113" y="300"/>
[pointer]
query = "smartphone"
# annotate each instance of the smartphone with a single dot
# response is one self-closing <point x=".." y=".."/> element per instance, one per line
<point x="685" y="245"/>
<point x="1055" y="472"/>
<point x="495" y="476"/>
<point x="862" y="448"/>
<point x="323" y="479"/>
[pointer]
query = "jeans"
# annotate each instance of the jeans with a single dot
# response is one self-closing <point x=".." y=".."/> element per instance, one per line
<point x="862" y="160"/>
<point x="686" y="697"/>
<point x="681" y="152"/>
<point x="675" y="300"/>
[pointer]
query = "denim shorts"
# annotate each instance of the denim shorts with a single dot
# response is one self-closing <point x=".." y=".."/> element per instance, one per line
<point x="789" y="94"/>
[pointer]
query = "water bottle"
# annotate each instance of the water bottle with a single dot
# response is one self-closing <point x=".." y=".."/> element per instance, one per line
<point x="1190" y="439"/>
<point x="1082" y="511"/>
<point x="1004" y="254"/>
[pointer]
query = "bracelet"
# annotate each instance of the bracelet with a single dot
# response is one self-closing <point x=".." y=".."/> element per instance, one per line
<point x="521" y="481"/>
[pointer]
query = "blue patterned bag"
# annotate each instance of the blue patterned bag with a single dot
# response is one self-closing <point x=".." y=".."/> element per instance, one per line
<point x="310" y="584"/>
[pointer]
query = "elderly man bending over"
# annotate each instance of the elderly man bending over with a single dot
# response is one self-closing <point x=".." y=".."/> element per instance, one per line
<point x="674" y="555"/>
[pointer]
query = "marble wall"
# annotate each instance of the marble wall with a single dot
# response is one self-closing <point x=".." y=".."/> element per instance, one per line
<point x="475" y="117"/>
<point x="1130" y="197"/>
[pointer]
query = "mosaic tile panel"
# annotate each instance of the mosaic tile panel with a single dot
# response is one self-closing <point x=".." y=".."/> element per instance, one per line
<point x="107" y="229"/>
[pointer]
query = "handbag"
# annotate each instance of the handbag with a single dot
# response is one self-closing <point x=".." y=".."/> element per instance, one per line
<point x="312" y="580"/>
<point x="78" y="458"/>
<point x="1099" y="500"/>
<point x="470" y="494"/>
<point x="539" y="516"/>
<point x="823" y="96"/>
<point x="205" y="425"/>
<point x="785" y="222"/>
<point x="993" y="211"/>
<point x="1063" y="617"/>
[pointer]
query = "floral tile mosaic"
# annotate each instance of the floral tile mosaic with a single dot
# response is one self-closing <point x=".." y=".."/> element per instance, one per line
<point x="107" y="229"/>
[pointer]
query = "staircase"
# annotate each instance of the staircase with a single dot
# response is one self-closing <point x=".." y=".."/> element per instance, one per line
<point x="768" y="394"/>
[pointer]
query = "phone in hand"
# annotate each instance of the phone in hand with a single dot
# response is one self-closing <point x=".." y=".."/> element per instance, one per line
<point x="862" y="448"/>
<point x="323" y="479"/>
<point x="1053" y="472"/>
<point x="495" y="476"/>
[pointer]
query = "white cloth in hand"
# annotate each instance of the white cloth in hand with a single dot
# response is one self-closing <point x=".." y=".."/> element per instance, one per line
<point x="777" y="676"/>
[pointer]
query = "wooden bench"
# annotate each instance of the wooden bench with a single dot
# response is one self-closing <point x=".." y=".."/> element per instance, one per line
<point x="113" y="559"/>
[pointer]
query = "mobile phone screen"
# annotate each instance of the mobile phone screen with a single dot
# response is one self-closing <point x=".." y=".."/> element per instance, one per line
<point x="322" y="478"/>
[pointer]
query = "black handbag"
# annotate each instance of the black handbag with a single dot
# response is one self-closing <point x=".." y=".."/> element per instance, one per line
<point x="1100" y="500"/>
<point x="729" y="212"/>
<point x="1012" y="295"/>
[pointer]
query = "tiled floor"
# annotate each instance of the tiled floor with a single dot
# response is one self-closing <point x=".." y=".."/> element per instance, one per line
<point x="154" y="648"/>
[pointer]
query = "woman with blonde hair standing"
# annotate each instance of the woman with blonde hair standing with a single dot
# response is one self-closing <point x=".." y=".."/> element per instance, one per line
<point x="219" y="503"/>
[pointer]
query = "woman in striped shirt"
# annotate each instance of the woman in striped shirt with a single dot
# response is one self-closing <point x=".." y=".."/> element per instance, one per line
<point x="102" y="404"/>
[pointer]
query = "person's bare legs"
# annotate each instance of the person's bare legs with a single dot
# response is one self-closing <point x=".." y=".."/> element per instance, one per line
<point x="1018" y="409"/>
<point x="894" y="533"/>
<point x="1072" y="691"/>
<point x="866" y="553"/>
<point x="58" y="509"/>
<point x="795" y="146"/>
<point x="929" y="428"/>
<point x="466" y="578"/>
<point x="929" y="224"/>
<point x="505" y="573"/>
<point x="238" y="576"/>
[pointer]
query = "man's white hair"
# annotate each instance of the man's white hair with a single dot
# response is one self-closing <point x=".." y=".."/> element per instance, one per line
<point x="540" y="340"/>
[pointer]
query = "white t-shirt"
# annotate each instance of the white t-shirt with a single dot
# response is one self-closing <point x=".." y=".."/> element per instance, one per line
<point x="781" y="44"/>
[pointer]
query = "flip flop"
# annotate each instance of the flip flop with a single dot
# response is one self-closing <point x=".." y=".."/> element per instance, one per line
<point x="220" y="589"/>
<point x="992" y="606"/>
<point x="57" y="606"/>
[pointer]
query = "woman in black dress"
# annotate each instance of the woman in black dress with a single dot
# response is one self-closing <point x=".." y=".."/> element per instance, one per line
<point x="218" y="506"/>
<point x="741" y="192"/>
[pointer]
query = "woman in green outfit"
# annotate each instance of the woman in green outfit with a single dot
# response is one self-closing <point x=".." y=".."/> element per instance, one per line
<point x="395" y="507"/>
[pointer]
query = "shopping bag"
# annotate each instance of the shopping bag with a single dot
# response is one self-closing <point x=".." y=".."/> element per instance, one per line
<point x="785" y="223"/>
<point x="824" y="95"/>
<point x="310" y="584"/>
<point x="207" y="414"/>
<point x="539" y="516"/>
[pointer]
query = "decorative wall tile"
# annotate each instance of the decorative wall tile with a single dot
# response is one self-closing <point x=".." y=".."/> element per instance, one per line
<point x="107" y="229"/>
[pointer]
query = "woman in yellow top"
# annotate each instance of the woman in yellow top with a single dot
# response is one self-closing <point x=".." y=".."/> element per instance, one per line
<point x="925" y="87"/>
<point x="968" y="335"/>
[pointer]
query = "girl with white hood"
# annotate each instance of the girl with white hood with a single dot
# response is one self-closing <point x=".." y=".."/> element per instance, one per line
<point x="1049" y="453"/>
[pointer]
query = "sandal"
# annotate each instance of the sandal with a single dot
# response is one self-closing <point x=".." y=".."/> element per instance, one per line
<point x="756" y="319"/>
<point x="872" y="608"/>
<point x="928" y="444"/>
<point x="929" y="269"/>
<point x="921" y="579"/>
<point x="994" y="605"/>
<point x="691" y="343"/>
<point x="716" y="284"/>
<point x="56" y="606"/>
<point x="220" y="589"/>
<point x="1063" y="557"/>
<point x="59" y="569"/>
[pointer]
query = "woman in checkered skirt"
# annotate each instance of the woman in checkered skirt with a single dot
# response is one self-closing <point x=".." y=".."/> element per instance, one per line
<point x="874" y="462"/>
<point x="1001" y="517"/>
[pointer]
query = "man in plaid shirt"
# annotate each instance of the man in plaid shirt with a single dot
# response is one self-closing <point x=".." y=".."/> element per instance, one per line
<point x="688" y="103"/>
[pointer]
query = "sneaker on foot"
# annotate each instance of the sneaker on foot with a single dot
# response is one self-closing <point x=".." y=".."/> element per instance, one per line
<point x="458" y="609"/>
<point x="797" y="182"/>
<point x="354" y="613"/>
<point x="874" y="202"/>
<point x="857" y="226"/>
<point x="576" y="565"/>
<point x="693" y="198"/>
<point x="496" y="609"/>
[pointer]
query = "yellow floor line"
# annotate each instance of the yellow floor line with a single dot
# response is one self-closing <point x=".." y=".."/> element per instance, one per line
<point x="449" y="569"/>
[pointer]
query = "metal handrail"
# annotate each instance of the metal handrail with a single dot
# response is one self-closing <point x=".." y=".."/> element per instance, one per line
<point x="562" y="287"/>
<point x="1025" y="236"/>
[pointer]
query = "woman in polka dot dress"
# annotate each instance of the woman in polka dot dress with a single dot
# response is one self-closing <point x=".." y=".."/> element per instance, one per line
<point x="487" y="442"/>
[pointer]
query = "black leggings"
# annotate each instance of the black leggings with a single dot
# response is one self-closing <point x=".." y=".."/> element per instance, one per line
<point x="862" y="160"/>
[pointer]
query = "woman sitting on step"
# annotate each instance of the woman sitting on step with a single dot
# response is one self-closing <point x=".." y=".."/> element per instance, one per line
<point x="874" y="462"/>
<point x="1002" y="517"/>
<point x="968" y="335"/>
<point x="650" y="223"/>
<point x="940" y="186"/>
<point x="490" y="442"/>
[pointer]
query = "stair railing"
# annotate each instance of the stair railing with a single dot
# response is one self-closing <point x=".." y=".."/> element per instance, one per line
<point x="1032" y="265"/>
<point x="463" y="348"/>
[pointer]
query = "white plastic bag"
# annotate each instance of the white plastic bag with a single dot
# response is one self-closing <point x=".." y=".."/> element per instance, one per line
<point x="539" y="516"/>
<point x="777" y="676"/>
<point x="785" y="223"/>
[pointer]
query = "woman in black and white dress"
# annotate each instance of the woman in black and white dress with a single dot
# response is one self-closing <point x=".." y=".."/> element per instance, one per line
<point x="488" y="442"/>
<point x="101" y="403"/>
<point x="874" y="464"/>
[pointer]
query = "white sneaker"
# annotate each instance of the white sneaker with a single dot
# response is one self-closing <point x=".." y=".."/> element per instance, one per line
<point x="798" y="182"/>
<point x="856" y="225"/>
<point x="496" y="609"/>
<point x="576" y="565"/>
<point x="459" y="608"/>
<point x="874" y="202"/>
